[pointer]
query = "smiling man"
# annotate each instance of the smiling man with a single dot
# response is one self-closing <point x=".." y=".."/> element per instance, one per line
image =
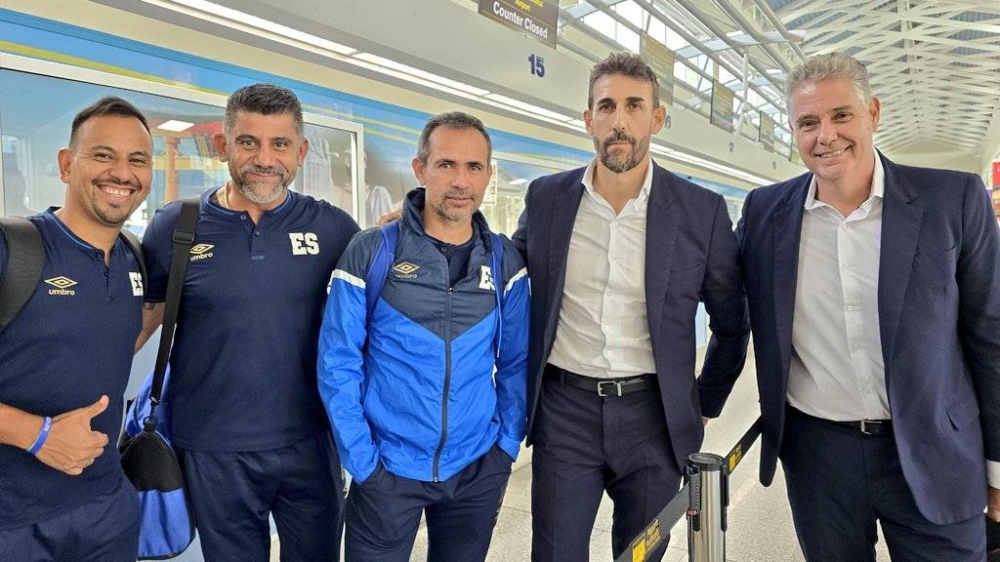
<point x="874" y="293"/>
<point x="620" y="254"/>
<point x="424" y="381"/>
<point x="247" y="417"/>
<point x="65" y="359"/>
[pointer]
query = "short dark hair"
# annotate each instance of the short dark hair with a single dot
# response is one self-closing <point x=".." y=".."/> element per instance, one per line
<point x="623" y="64"/>
<point x="107" y="106"/>
<point x="452" y="120"/>
<point x="265" y="99"/>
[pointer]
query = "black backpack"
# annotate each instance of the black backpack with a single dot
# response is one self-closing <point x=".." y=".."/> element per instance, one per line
<point x="25" y="259"/>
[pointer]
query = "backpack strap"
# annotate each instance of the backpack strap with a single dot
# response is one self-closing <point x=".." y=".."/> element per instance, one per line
<point x="23" y="271"/>
<point x="378" y="269"/>
<point x="496" y="267"/>
<point x="132" y="243"/>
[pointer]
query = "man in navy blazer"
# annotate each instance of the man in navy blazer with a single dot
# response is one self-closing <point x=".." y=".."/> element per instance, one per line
<point x="874" y="294"/>
<point x="620" y="254"/>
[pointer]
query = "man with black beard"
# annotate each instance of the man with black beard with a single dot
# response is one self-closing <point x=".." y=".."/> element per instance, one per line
<point x="620" y="254"/>
<point x="247" y="417"/>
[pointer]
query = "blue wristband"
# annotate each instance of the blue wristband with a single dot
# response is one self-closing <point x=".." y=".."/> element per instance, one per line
<point x="42" y="436"/>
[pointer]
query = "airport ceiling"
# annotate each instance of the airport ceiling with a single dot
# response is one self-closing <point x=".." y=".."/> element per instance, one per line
<point x="935" y="64"/>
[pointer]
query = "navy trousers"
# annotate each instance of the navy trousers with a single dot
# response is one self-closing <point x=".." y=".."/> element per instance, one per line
<point x="383" y="514"/>
<point x="840" y="481"/>
<point x="103" y="530"/>
<point x="233" y="493"/>
<point x="585" y="445"/>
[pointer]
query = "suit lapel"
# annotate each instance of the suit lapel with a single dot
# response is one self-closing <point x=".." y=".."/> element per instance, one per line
<point x="661" y="233"/>
<point x="565" y="206"/>
<point x="901" y="221"/>
<point x="787" y="222"/>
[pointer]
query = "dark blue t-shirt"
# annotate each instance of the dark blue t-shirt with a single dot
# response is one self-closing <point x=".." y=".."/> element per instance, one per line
<point x="243" y="366"/>
<point x="71" y="343"/>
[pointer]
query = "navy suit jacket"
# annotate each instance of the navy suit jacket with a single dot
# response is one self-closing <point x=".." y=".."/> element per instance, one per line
<point x="691" y="255"/>
<point x="939" y="322"/>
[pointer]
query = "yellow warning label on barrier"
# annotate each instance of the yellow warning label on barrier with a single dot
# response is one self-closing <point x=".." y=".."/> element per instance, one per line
<point x="735" y="457"/>
<point x="639" y="551"/>
<point x="647" y="541"/>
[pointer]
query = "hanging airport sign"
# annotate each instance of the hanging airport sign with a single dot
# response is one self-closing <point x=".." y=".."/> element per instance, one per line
<point x="661" y="60"/>
<point x="767" y="132"/>
<point x="537" y="18"/>
<point x="722" y="106"/>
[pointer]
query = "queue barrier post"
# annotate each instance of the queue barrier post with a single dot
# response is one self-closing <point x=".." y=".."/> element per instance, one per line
<point x="706" y="514"/>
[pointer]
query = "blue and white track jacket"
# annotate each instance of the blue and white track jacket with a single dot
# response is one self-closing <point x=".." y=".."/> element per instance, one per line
<point x="415" y="387"/>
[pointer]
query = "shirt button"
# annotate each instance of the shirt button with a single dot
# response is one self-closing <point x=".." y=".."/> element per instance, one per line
<point x="243" y="217"/>
<point x="608" y="353"/>
<point x="607" y="328"/>
<point x="856" y="346"/>
<point x="256" y="233"/>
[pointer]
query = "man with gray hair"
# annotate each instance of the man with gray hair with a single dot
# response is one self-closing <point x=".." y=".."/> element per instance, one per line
<point x="247" y="418"/>
<point x="874" y="294"/>
<point x="422" y="360"/>
<point x="621" y="252"/>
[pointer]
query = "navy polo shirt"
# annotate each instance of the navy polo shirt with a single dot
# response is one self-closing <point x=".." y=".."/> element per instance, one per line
<point x="71" y="343"/>
<point x="243" y="365"/>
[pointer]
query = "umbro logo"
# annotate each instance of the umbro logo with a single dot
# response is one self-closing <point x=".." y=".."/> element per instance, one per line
<point x="405" y="270"/>
<point x="201" y="252"/>
<point x="62" y="286"/>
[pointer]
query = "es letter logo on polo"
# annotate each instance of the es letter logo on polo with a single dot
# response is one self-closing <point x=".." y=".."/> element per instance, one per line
<point x="304" y="243"/>
<point x="201" y="252"/>
<point x="136" y="279"/>
<point x="62" y="286"/>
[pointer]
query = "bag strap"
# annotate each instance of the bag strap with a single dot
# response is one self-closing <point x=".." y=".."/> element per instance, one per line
<point x="378" y="269"/>
<point x="132" y="243"/>
<point x="25" y="260"/>
<point x="183" y="239"/>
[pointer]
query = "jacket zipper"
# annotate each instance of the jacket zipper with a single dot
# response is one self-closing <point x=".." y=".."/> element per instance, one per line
<point x="447" y="385"/>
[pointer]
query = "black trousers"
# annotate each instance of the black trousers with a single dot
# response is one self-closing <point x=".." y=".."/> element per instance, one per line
<point x="840" y="481"/>
<point x="105" y="529"/>
<point x="585" y="445"/>
<point x="233" y="493"/>
<point x="383" y="514"/>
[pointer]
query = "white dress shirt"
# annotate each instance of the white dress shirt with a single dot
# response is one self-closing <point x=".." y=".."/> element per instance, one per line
<point x="837" y="370"/>
<point x="603" y="331"/>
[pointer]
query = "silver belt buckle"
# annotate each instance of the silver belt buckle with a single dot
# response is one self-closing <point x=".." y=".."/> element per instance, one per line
<point x="614" y="384"/>
<point x="866" y="423"/>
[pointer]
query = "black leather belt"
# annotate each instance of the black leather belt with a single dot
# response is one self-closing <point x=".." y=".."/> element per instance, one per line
<point x="875" y="428"/>
<point x="878" y="428"/>
<point x="602" y="387"/>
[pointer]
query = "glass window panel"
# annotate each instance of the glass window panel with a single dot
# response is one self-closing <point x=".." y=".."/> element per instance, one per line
<point x="504" y="198"/>
<point x="628" y="38"/>
<point x="631" y="12"/>
<point x="602" y="23"/>
<point x="36" y="113"/>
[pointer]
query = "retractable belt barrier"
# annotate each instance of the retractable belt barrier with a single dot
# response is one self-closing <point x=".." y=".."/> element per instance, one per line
<point x="704" y="499"/>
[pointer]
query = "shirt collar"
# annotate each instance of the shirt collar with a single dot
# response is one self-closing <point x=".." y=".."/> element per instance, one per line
<point x="647" y="182"/>
<point x="877" y="187"/>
